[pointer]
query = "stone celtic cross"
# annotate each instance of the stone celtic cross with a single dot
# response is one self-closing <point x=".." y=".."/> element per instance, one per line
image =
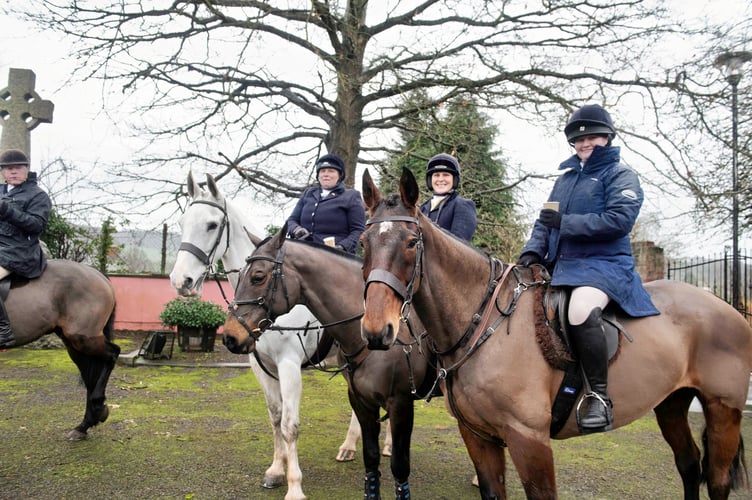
<point x="21" y="110"/>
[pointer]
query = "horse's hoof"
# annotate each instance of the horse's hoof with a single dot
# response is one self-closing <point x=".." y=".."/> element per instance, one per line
<point x="475" y="481"/>
<point x="271" y="482"/>
<point x="345" y="456"/>
<point x="76" y="435"/>
<point x="104" y="413"/>
<point x="387" y="451"/>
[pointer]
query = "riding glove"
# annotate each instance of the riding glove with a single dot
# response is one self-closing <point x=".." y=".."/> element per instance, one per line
<point x="550" y="218"/>
<point x="300" y="233"/>
<point x="528" y="258"/>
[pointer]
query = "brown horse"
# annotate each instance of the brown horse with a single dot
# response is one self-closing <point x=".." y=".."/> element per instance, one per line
<point x="498" y="383"/>
<point x="76" y="302"/>
<point x="281" y="273"/>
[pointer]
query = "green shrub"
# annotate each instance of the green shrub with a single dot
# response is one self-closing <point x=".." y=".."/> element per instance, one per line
<point x="192" y="312"/>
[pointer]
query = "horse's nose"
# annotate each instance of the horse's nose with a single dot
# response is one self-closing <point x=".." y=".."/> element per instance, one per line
<point x="232" y="344"/>
<point x="377" y="342"/>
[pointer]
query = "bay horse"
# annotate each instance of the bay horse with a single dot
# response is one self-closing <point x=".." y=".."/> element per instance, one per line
<point x="77" y="303"/>
<point x="212" y="230"/>
<point x="497" y="382"/>
<point x="282" y="272"/>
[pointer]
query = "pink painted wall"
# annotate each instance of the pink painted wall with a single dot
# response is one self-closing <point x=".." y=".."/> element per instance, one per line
<point x="140" y="299"/>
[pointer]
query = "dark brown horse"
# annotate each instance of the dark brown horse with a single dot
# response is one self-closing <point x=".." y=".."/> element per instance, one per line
<point x="282" y="273"/>
<point x="76" y="302"/>
<point x="498" y="383"/>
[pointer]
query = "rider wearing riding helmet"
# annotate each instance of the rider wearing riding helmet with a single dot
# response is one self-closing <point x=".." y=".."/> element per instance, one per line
<point x="329" y="209"/>
<point x="586" y="243"/>
<point x="447" y="208"/>
<point x="24" y="209"/>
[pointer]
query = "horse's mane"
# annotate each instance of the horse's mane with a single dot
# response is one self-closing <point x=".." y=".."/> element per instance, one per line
<point x="325" y="248"/>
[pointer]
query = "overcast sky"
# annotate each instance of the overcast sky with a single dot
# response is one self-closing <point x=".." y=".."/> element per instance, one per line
<point x="83" y="134"/>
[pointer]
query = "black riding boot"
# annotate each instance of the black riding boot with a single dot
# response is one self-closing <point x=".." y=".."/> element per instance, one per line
<point x="6" y="335"/>
<point x="589" y="342"/>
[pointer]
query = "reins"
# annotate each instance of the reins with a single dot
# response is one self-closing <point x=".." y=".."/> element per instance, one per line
<point x="478" y="332"/>
<point x="266" y="301"/>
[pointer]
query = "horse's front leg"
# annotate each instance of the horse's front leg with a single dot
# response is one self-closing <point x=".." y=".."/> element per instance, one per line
<point x="274" y="476"/>
<point x="370" y="428"/>
<point x="348" y="448"/>
<point x="291" y="383"/>
<point x="401" y="418"/>
<point x="534" y="460"/>
<point x="490" y="464"/>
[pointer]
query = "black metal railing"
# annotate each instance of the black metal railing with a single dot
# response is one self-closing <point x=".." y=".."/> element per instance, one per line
<point x="713" y="273"/>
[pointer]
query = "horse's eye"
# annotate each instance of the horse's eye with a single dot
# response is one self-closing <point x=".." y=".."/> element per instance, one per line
<point x="213" y="226"/>
<point x="412" y="243"/>
<point x="258" y="279"/>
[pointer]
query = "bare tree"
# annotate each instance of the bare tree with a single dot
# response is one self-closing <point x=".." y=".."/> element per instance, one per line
<point x="259" y="89"/>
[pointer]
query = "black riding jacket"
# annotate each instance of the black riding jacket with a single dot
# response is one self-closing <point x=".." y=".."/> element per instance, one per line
<point x="21" y="224"/>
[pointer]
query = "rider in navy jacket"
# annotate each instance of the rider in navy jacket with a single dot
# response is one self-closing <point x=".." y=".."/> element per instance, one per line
<point x="447" y="208"/>
<point x="599" y="204"/>
<point x="586" y="243"/>
<point x="329" y="209"/>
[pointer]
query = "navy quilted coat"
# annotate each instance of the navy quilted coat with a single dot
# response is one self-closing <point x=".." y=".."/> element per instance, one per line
<point x="599" y="204"/>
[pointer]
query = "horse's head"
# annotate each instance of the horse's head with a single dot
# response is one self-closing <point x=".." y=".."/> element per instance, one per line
<point x="264" y="292"/>
<point x="392" y="249"/>
<point x="205" y="236"/>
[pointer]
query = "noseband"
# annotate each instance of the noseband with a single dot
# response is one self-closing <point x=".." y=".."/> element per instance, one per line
<point x="202" y="256"/>
<point x="388" y="278"/>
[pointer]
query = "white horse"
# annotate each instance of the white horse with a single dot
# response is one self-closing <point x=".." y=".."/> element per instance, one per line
<point x="212" y="230"/>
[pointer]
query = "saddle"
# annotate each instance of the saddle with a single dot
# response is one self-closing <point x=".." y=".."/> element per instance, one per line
<point x="552" y="332"/>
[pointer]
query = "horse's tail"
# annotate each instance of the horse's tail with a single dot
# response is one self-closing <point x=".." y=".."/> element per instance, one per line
<point x="109" y="327"/>
<point x="738" y="474"/>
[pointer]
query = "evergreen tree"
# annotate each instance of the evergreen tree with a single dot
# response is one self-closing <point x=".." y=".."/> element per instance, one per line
<point x="105" y="244"/>
<point x="65" y="240"/>
<point x="464" y="132"/>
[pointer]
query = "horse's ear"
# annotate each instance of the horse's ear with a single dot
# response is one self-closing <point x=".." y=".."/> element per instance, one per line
<point x="192" y="185"/>
<point x="254" y="239"/>
<point x="212" y="185"/>
<point x="409" y="190"/>
<point x="279" y="238"/>
<point x="371" y="194"/>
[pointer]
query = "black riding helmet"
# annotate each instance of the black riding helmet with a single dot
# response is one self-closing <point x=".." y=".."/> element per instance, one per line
<point x="13" y="157"/>
<point x="443" y="162"/>
<point x="590" y="119"/>
<point x="331" y="161"/>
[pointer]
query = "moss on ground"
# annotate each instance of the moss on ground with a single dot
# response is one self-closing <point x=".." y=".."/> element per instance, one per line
<point x="204" y="433"/>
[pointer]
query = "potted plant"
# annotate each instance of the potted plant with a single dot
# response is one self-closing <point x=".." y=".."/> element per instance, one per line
<point x="194" y="318"/>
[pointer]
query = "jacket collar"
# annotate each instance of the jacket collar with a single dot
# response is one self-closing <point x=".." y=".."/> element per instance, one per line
<point x="601" y="157"/>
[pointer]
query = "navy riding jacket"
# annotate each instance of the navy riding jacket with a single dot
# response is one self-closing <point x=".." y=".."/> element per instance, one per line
<point x="340" y="214"/>
<point x="21" y="223"/>
<point x="455" y="214"/>
<point x="599" y="204"/>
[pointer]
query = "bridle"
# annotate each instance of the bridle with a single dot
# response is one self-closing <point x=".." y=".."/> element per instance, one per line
<point x="388" y="278"/>
<point x="266" y="299"/>
<point x="478" y="331"/>
<point x="204" y="257"/>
